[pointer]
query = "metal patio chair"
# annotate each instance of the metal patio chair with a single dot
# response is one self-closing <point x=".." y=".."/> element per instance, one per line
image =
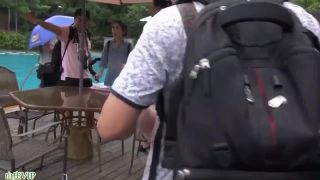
<point x="8" y="83"/>
<point x="15" y="156"/>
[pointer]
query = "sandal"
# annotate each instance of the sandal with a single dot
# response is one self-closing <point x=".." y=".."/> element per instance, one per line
<point x="143" y="149"/>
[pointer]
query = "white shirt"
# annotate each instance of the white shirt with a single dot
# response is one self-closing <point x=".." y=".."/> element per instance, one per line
<point x="71" y="62"/>
<point x="157" y="60"/>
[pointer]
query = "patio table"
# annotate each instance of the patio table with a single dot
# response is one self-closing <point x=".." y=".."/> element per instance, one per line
<point x="61" y="99"/>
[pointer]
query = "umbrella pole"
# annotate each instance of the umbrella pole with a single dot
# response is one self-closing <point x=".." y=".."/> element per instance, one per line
<point x="81" y="49"/>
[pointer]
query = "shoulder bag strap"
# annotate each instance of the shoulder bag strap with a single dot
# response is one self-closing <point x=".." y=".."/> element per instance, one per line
<point x="188" y="14"/>
<point x="71" y="34"/>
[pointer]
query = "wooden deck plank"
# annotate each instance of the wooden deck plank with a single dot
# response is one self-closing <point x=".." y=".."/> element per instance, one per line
<point x="136" y="172"/>
<point x="77" y="165"/>
<point x="115" y="158"/>
<point x="114" y="165"/>
<point x="111" y="168"/>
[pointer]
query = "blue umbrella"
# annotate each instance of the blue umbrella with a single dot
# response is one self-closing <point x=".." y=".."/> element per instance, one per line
<point x="40" y="36"/>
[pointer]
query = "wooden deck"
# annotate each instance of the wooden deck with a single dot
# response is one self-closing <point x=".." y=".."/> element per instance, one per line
<point x="114" y="165"/>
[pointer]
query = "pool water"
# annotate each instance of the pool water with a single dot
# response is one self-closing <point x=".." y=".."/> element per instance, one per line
<point x="25" y="64"/>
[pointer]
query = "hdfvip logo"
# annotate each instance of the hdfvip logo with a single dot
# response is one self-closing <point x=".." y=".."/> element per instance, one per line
<point x="19" y="175"/>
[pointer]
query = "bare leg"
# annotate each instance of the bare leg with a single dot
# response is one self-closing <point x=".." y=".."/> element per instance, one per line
<point x="147" y="121"/>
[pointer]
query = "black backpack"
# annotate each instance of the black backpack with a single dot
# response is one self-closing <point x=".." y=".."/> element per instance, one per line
<point x="247" y="105"/>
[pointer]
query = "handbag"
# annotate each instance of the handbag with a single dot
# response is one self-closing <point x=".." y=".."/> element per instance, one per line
<point x="45" y="69"/>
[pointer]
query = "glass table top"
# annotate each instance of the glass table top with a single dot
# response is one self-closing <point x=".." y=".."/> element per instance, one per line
<point x="61" y="98"/>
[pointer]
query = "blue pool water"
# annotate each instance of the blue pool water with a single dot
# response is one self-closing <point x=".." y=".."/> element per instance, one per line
<point x="24" y="64"/>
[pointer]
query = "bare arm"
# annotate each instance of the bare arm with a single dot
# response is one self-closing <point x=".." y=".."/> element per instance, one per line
<point x="100" y="72"/>
<point x="49" y="26"/>
<point x="104" y="58"/>
<point x="49" y="46"/>
<point x="117" y="120"/>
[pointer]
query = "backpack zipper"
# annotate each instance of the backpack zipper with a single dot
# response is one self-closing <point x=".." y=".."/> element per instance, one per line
<point x="205" y="65"/>
<point x="263" y="95"/>
<point x="209" y="61"/>
<point x="247" y="89"/>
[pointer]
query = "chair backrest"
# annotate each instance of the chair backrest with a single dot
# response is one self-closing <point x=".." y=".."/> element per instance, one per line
<point x="8" y="81"/>
<point x="5" y="138"/>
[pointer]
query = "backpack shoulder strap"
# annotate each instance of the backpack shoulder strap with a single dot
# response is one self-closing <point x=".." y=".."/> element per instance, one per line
<point x="71" y="33"/>
<point x="128" y="48"/>
<point x="89" y="34"/>
<point x="188" y="14"/>
<point x="108" y="47"/>
<point x="313" y="38"/>
<point x="70" y="37"/>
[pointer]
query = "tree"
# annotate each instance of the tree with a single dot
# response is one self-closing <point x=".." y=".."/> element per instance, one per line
<point x="311" y="5"/>
<point x="101" y="15"/>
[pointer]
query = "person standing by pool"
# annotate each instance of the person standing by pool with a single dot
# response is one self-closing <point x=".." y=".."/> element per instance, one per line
<point x="70" y="63"/>
<point x="115" y="53"/>
<point x="43" y="71"/>
<point x="69" y="37"/>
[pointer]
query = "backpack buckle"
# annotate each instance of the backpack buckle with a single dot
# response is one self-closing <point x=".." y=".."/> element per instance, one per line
<point x="203" y="64"/>
<point x="183" y="174"/>
<point x="194" y="72"/>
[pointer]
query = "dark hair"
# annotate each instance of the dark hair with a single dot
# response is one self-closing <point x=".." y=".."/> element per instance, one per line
<point x="183" y="1"/>
<point x="162" y="3"/>
<point x="123" y="27"/>
<point x="79" y="11"/>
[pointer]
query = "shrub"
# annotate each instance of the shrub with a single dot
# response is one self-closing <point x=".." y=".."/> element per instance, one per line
<point x="97" y="43"/>
<point x="13" y="40"/>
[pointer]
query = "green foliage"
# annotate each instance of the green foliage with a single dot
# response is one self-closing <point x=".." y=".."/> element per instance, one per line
<point x="310" y="5"/>
<point x="132" y="19"/>
<point x="97" y="43"/>
<point x="7" y="3"/>
<point x="12" y="40"/>
<point x="101" y="15"/>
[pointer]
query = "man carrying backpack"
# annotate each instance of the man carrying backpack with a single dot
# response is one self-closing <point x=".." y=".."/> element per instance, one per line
<point x="69" y="36"/>
<point x="220" y="97"/>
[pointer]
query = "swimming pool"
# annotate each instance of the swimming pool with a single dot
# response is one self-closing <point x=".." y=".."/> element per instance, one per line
<point x="24" y="64"/>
